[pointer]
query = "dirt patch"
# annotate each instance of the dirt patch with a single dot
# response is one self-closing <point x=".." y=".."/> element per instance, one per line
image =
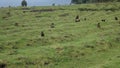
<point x="107" y="9"/>
<point x="43" y="10"/>
<point x="25" y="8"/>
<point x="38" y="16"/>
<point x="64" y="15"/>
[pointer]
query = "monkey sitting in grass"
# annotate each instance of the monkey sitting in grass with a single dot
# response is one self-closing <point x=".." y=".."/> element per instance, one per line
<point x="77" y="19"/>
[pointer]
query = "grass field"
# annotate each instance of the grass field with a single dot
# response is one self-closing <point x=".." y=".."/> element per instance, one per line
<point x="69" y="45"/>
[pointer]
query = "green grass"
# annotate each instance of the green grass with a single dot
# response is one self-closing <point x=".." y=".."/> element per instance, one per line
<point x="68" y="45"/>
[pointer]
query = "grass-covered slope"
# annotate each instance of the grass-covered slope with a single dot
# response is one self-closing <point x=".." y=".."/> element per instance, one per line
<point x="69" y="45"/>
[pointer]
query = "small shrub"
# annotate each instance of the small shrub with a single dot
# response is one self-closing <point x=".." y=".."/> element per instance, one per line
<point x="16" y="24"/>
<point x="85" y="19"/>
<point x="52" y="25"/>
<point x="28" y="44"/>
<point x="103" y="20"/>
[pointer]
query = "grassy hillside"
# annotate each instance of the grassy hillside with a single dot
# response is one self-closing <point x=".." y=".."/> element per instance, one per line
<point x="69" y="45"/>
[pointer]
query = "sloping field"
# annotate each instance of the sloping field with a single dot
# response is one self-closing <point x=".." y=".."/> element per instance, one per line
<point x="66" y="44"/>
